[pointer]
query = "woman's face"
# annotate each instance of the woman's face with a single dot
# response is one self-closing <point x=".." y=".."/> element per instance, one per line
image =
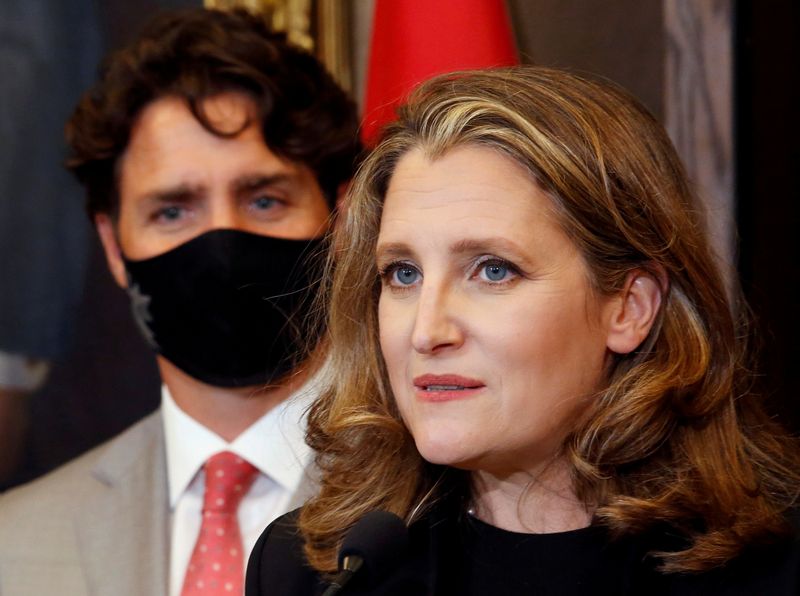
<point x="492" y="338"/>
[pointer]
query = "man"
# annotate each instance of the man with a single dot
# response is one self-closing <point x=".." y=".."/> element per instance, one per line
<point x="212" y="153"/>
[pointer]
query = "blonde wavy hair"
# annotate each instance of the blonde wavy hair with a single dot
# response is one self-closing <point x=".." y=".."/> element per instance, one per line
<point x="676" y="436"/>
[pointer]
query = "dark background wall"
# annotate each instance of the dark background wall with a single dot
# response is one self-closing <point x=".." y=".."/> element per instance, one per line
<point x="622" y="40"/>
<point x="106" y="378"/>
<point x="767" y="165"/>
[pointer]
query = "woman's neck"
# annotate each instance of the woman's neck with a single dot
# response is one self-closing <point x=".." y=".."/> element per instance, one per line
<point x="539" y="503"/>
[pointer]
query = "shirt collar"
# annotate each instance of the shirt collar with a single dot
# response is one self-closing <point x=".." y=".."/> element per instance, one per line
<point x="275" y="443"/>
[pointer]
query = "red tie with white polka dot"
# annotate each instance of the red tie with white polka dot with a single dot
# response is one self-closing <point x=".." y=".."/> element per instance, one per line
<point x="217" y="562"/>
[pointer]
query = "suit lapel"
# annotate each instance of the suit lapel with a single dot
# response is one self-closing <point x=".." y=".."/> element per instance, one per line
<point x="123" y="530"/>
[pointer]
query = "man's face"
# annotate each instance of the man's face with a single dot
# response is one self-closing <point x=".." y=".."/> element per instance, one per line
<point x="177" y="180"/>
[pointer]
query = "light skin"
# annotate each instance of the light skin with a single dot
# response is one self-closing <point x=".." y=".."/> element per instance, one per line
<point x="177" y="181"/>
<point x="493" y="338"/>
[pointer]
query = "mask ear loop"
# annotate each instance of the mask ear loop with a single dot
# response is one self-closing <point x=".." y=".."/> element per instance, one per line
<point x="140" y="307"/>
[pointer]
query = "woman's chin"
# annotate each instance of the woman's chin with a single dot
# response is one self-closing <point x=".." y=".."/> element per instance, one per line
<point x="445" y="452"/>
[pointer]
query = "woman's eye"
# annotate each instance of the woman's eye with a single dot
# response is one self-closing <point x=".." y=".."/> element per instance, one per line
<point x="496" y="271"/>
<point x="400" y="275"/>
<point x="405" y="275"/>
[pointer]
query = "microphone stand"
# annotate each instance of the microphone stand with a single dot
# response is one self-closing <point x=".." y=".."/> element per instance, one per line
<point x="350" y="565"/>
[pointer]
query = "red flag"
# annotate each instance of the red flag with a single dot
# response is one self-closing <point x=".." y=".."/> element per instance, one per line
<point x="412" y="40"/>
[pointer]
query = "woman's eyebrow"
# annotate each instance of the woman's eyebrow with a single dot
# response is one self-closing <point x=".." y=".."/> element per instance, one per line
<point x="498" y="246"/>
<point x="392" y="250"/>
<point x="491" y="244"/>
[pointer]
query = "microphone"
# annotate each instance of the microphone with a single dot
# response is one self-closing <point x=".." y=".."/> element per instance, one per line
<point x="372" y="547"/>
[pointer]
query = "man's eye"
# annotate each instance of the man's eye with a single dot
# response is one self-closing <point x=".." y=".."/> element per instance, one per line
<point x="171" y="213"/>
<point x="263" y="203"/>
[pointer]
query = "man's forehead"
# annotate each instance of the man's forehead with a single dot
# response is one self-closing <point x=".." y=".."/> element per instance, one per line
<point x="169" y="147"/>
<point x="225" y="114"/>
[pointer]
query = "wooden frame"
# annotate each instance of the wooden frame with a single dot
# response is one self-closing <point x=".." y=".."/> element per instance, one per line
<point x="320" y="26"/>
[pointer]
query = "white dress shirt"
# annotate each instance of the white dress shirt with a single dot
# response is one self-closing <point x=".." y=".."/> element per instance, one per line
<point x="274" y="444"/>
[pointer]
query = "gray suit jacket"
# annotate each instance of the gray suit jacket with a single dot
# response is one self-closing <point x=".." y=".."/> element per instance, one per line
<point x="97" y="526"/>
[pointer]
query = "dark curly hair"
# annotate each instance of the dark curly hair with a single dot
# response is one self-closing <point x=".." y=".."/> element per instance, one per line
<point x="195" y="54"/>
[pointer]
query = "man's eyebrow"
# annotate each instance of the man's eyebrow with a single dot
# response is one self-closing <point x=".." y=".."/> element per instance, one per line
<point x="256" y="181"/>
<point x="182" y="193"/>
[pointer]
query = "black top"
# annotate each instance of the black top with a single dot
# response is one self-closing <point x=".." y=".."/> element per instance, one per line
<point x="495" y="561"/>
<point x="452" y="553"/>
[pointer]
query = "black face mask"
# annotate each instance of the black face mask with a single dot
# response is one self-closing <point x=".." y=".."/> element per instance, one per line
<point x="227" y="307"/>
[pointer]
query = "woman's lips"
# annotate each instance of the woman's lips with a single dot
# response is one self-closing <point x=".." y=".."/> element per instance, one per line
<point x="446" y="387"/>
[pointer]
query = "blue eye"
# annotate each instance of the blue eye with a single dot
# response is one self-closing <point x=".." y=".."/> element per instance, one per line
<point x="263" y="203"/>
<point x="399" y="276"/>
<point x="495" y="271"/>
<point x="405" y="275"/>
<point x="170" y="213"/>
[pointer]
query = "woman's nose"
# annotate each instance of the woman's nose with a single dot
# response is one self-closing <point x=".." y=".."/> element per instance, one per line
<point x="436" y="327"/>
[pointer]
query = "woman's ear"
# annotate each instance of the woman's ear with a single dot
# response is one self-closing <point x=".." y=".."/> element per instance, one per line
<point x="635" y="309"/>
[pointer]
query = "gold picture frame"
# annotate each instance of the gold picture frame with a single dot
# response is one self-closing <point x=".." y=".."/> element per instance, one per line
<point x="320" y="26"/>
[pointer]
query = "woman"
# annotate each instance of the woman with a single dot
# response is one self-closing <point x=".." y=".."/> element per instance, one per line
<point x="536" y="364"/>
